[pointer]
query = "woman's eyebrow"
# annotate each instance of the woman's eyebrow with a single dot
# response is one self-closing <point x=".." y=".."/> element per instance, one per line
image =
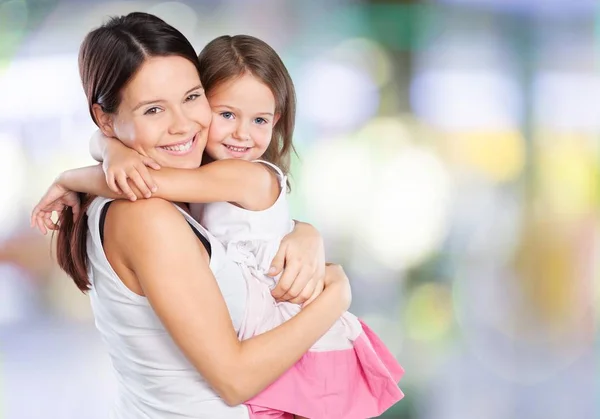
<point x="148" y="102"/>
<point x="192" y="89"/>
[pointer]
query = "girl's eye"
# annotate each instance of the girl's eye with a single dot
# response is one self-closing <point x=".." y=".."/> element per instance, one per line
<point x="193" y="96"/>
<point x="227" y="115"/>
<point x="152" y="111"/>
<point x="260" y="121"/>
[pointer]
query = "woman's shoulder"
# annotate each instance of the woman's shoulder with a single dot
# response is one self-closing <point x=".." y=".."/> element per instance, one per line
<point x="146" y="217"/>
<point x="125" y="208"/>
<point x="145" y="208"/>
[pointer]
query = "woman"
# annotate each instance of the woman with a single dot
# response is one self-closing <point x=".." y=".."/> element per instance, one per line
<point x="165" y="298"/>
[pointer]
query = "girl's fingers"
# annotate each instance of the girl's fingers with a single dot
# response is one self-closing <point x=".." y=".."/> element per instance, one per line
<point x="140" y="183"/>
<point x="122" y="182"/>
<point x="145" y="174"/>
<point x="151" y="163"/>
<point x="112" y="183"/>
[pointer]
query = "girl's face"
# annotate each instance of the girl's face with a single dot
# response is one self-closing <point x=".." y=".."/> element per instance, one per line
<point x="163" y="113"/>
<point x="243" y="119"/>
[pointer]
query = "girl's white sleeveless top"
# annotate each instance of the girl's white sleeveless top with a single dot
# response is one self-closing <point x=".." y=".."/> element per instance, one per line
<point x="251" y="238"/>
<point x="155" y="379"/>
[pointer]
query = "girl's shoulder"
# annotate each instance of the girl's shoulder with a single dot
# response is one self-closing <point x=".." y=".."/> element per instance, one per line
<point x="280" y="175"/>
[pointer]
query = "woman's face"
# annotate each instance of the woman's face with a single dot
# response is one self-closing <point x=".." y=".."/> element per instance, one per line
<point x="164" y="113"/>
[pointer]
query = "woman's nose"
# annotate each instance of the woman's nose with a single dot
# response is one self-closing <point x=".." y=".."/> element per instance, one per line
<point x="180" y="123"/>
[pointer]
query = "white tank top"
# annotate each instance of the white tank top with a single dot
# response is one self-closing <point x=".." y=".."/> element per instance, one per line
<point x="155" y="379"/>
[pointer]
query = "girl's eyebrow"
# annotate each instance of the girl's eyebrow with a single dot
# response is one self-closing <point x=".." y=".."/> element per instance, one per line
<point x="233" y="108"/>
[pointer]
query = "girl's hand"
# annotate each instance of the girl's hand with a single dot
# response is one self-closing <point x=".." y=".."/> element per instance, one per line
<point x="303" y="255"/>
<point x="56" y="198"/>
<point x="122" y="163"/>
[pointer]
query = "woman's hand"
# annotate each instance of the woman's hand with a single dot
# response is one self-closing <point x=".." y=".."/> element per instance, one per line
<point x="121" y="164"/>
<point x="301" y="256"/>
<point x="336" y="277"/>
<point x="56" y="198"/>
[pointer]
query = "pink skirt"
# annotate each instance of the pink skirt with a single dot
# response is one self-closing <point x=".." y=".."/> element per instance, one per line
<point x="356" y="383"/>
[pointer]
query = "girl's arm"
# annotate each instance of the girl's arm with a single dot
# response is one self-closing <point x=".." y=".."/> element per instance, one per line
<point x="64" y="193"/>
<point x="91" y="180"/>
<point x="99" y="144"/>
<point x="153" y="242"/>
<point x="252" y="186"/>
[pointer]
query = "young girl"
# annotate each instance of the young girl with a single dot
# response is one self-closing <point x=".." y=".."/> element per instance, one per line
<point x="348" y="373"/>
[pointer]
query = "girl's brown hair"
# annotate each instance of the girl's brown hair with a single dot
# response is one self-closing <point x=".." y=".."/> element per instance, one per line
<point x="108" y="58"/>
<point x="228" y="57"/>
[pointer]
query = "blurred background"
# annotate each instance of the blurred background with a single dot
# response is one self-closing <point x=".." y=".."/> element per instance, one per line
<point x="448" y="151"/>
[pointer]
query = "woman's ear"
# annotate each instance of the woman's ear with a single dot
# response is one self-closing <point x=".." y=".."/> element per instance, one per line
<point x="104" y="120"/>
<point x="276" y="118"/>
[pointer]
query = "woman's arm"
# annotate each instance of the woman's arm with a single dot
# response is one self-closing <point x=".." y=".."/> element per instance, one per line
<point x="158" y="246"/>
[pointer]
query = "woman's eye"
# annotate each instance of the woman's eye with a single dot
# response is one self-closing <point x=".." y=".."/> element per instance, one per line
<point x="152" y="111"/>
<point x="193" y="96"/>
<point x="260" y="121"/>
<point x="227" y="115"/>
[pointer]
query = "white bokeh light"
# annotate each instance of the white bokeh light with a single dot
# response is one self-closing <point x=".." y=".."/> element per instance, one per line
<point x="467" y="99"/>
<point x="12" y="171"/>
<point x="409" y="209"/>
<point x="336" y="96"/>
<point x="337" y="183"/>
<point x="26" y="83"/>
<point x="568" y="101"/>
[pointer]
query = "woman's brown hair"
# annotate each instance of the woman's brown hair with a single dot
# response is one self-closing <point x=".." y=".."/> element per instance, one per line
<point x="228" y="57"/>
<point x="108" y="58"/>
